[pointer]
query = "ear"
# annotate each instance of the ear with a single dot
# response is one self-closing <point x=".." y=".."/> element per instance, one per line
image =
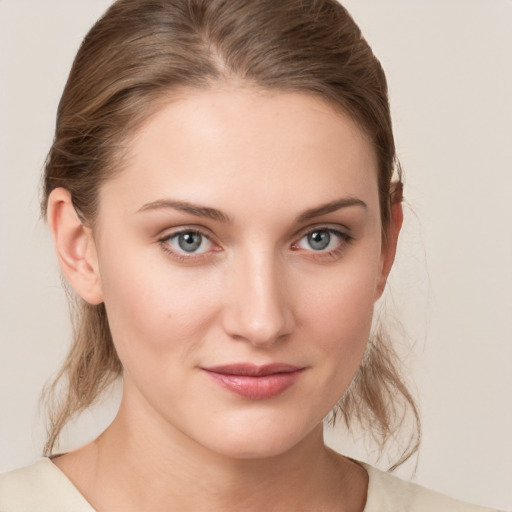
<point x="75" y="247"/>
<point x="389" y="244"/>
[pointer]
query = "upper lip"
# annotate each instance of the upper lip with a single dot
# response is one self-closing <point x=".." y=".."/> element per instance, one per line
<point x="253" y="370"/>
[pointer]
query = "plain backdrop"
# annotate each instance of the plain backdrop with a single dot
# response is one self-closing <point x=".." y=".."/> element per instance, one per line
<point x="449" y="66"/>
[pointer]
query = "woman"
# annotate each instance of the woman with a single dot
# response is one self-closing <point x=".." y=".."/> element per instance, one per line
<point x="220" y="191"/>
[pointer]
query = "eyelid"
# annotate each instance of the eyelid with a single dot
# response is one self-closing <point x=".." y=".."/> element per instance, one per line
<point x="183" y="256"/>
<point x="343" y="233"/>
<point x="167" y="233"/>
<point x="332" y="228"/>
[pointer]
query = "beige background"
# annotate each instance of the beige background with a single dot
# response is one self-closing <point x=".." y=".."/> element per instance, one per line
<point x="450" y="73"/>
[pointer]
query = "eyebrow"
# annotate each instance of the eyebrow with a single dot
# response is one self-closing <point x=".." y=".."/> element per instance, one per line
<point x="214" y="214"/>
<point x="185" y="206"/>
<point x="331" y="207"/>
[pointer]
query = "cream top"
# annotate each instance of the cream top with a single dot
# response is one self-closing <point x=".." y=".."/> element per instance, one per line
<point x="43" y="487"/>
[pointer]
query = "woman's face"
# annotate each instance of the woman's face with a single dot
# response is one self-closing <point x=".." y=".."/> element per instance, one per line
<point x="240" y="256"/>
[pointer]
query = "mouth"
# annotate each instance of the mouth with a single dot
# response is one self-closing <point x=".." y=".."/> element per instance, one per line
<point x="255" y="382"/>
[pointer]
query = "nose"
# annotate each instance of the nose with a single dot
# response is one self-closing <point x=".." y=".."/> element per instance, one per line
<point x="258" y="308"/>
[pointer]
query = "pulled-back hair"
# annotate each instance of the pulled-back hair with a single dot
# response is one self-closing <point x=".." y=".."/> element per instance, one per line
<point x="132" y="59"/>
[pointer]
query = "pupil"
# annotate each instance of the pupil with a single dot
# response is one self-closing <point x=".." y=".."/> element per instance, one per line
<point x="189" y="242"/>
<point x="319" y="240"/>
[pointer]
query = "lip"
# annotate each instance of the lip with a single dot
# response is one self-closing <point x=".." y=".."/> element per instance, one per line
<point x="253" y="381"/>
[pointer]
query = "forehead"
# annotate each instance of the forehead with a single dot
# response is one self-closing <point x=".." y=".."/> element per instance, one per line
<point x="234" y="146"/>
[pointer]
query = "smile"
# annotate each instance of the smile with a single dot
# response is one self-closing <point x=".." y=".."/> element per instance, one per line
<point x="255" y="382"/>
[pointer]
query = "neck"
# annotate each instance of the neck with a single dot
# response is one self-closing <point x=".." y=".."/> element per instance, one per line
<point x="140" y="463"/>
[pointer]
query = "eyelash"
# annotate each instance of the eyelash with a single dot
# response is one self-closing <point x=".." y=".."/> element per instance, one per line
<point x="183" y="256"/>
<point x="344" y="240"/>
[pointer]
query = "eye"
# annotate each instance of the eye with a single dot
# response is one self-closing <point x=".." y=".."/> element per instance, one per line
<point x="190" y="242"/>
<point x="322" y="240"/>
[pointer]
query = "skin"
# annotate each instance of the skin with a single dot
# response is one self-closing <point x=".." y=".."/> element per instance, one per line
<point x="255" y="290"/>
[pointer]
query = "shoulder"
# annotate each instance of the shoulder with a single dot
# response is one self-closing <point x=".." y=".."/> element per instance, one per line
<point x="388" y="493"/>
<point x="41" y="487"/>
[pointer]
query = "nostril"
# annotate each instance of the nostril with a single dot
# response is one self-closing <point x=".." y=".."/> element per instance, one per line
<point x="261" y="328"/>
<point x="258" y="308"/>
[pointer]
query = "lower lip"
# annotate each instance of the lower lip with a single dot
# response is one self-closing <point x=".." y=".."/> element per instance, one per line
<point x="256" y="388"/>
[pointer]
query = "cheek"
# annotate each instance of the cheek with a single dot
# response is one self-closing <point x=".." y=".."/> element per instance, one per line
<point x="339" y="315"/>
<point x="156" y="315"/>
<point x="342" y="300"/>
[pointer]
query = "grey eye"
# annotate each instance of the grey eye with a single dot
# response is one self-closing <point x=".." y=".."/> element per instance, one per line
<point x="189" y="241"/>
<point x="319" y="240"/>
<point x="323" y="240"/>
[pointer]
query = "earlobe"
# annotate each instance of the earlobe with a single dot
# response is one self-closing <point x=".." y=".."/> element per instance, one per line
<point x="75" y="247"/>
<point x="389" y="245"/>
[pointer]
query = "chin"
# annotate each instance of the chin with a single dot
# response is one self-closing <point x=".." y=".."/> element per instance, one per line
<point x="257" y="441"/>
<point x="248" y="450"/>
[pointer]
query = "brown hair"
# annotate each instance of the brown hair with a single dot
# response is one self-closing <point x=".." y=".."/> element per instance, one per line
<point x="139" y="52"/>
